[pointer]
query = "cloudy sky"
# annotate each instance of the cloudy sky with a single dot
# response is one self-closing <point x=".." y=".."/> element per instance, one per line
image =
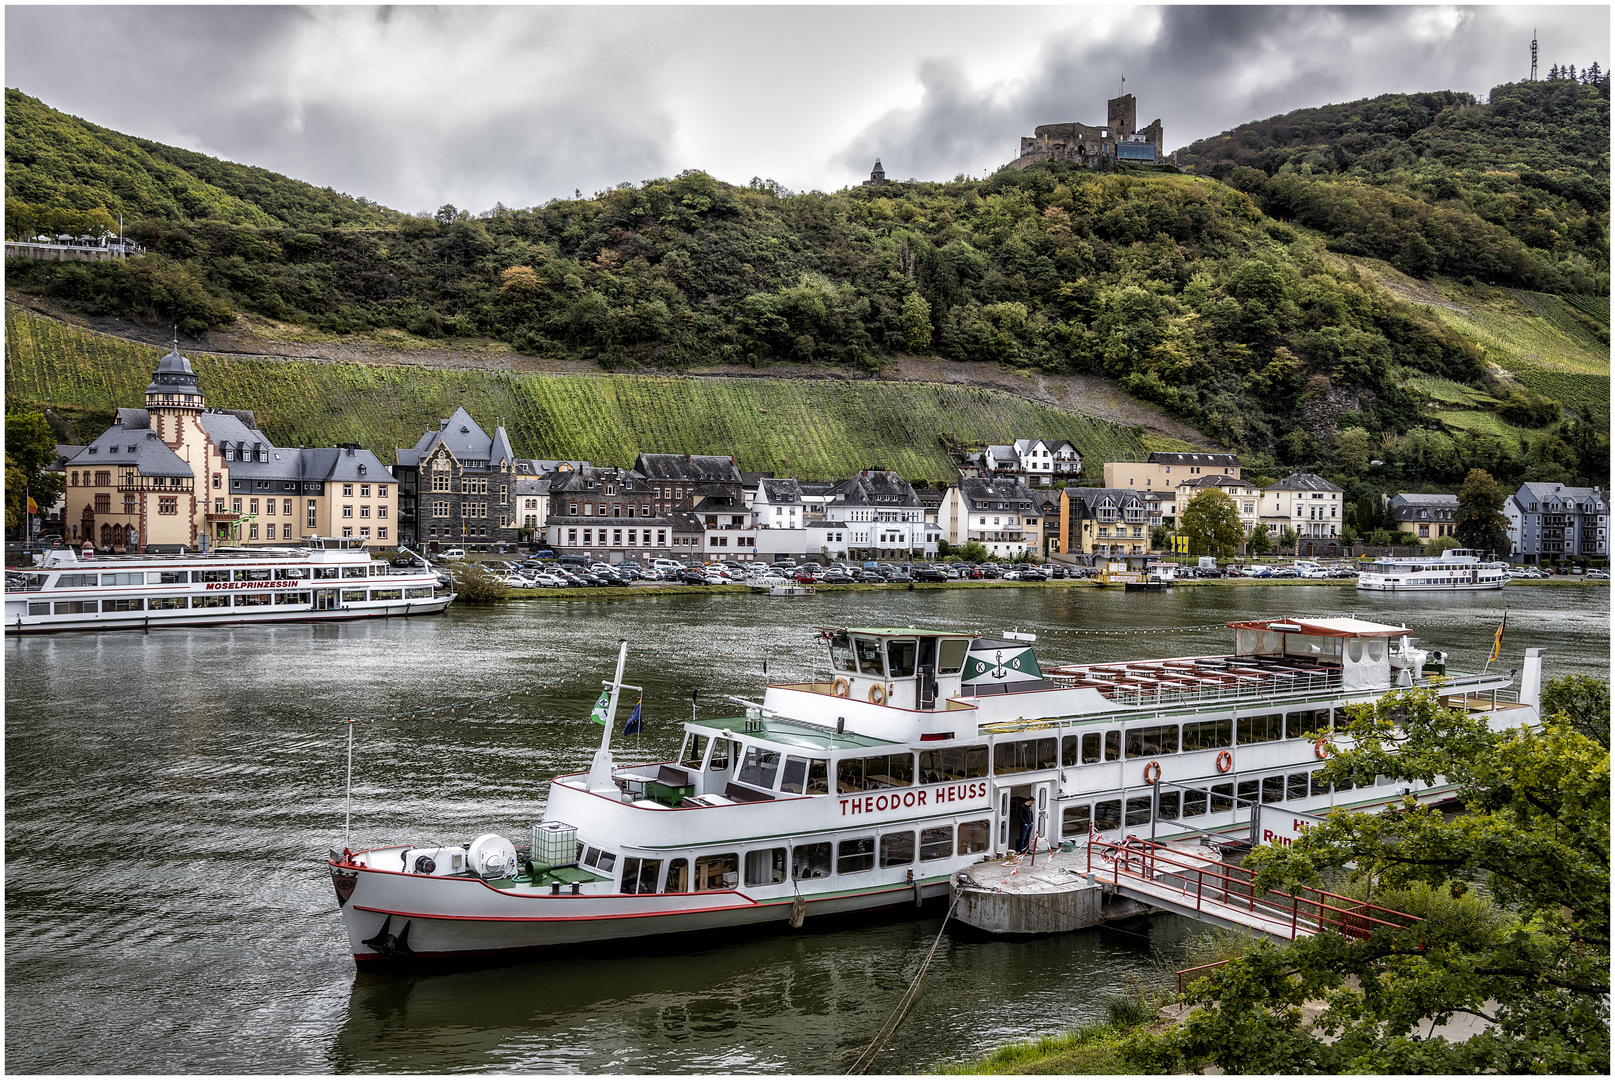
<point x="415" y="107"/>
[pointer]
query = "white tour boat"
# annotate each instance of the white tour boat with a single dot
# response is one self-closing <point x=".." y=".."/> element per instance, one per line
<point x="873" y="787"/>
<point x="1459" y="568"/>
<point x="325" y="578"/>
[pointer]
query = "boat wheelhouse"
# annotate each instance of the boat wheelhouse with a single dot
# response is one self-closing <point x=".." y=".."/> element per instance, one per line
<point x="1458" y="569"/>
<point x="325" y="578"/>
<point x="872" y="786"/>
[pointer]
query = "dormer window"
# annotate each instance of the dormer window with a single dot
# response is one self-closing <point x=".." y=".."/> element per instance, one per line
<point x="229" y="453"/>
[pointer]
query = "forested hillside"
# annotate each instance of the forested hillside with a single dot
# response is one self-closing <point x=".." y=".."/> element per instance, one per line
<point x="1182" y="289"/>
<point x="814" y="430"/>
<point x="1513" y="191"/>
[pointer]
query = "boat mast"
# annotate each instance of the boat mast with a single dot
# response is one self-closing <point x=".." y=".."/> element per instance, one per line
<point x="600" y="769"/>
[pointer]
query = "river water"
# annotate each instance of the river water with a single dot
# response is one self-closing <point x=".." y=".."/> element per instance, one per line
<point x="170" y="797"/>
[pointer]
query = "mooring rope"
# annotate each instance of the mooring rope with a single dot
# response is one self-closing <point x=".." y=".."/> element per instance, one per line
<point x="888" y="1029"/>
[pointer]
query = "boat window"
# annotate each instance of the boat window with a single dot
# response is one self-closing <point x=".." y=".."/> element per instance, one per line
<point x="168" y="603"/>
<point x="1259" y="729"/>
<point x="1319" y="785"/>
<point x="265" y="574"/>
<point x="1376" y="649"/>
<point x="1194" y="803"/>
<point x="639" y="875"/>
<point x="1295" y="786"/>
<point x="602" y="861"/>
<point x="953" y="763"/>
<point x="1107" y="815"/>
<point x="1208" y="735"/>
<point x="974" y="837"/>
<point x="841" y="652"/>
<point x="765" y="867"/>
<point x="1354" y="650"/>
<point x="1249" y="791"/>
<point x="210" y="601"/>
<point x="936" y="843"/>
<point x="720" y="756"/>
<point x="795" y="772"/>
<point x="1149" y="741"/>
<point x="1166" y="807"/>
<point x="717" y="872"/>
<point x="1138" y="812"/>
<point x="1113" y="746"/>
<point x="810" y="861"/>
<point x="856" y="855"/>
<point x="869" y="658"/>
<point x="76" y="581"/>
<point x="1074" y="821"/>
<point x="353" y="571"/>
<point x="166" y="577"/>
<point x="950" y="655"/>
<point x="1300" y="724"/>
<point x="678" y="876"/>
<point x="760" y="767"/>
<point x="1222" y="798"/>
<point x="900" y="656"/>
<point x="818" y="777"/>
<point x="1273" y="788"/>
<point x="1345" y="783"/>
<point x="1023" y="755"/>
<point x="695" y="750"/>
<point x="127" y="578"/>
<point x="897" y="849"/>
<point x="872" y="773"/>
<point x="288" y="574"/>
<point x="135" y="604"/>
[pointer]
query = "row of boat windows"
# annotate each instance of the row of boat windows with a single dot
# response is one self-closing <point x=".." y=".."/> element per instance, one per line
<point x="219" y="600"/>
<point x="1109" y="814"/>
<point x="761" y="767"/>
<point x="800" y="862"/>
<point x="126" y="578"/>
<point x="857" y="654"/>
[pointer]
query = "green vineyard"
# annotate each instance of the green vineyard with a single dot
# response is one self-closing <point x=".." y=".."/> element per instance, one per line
<point x="813" y="430"/>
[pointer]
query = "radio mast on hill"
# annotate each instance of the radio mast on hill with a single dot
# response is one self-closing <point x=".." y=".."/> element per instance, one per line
<point x="1533" y="56"/>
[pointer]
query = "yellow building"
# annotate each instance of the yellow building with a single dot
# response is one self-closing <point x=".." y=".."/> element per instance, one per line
<point x="179" y="474"/>
<point x="1167" y="470"/>
<point x="1106" y="522"/>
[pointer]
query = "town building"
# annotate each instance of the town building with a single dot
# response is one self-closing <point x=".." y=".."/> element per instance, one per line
<point x="180" y="474"/>
<point x="1425" y="516"/>
<point x="1556" y="522"/>
<point x="609" y="514"/>
<point x="1166" y="470"/>
<point x="1037" y="461"/>
<point x="991" y="512"/>
<point x="880" y="514"/>
<point x="1246" y="496"/>
<point x="456" y="487"/>
<point x="1310" y="505"/>
<point x="1119" y="139"/>
<point x="1106" y="523"/>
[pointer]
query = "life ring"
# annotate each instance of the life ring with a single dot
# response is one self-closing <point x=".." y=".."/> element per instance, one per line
<point x="1321" y="748"/>
<point x="1152" y="772"/>
<point x="877" y="695"/>
<point x="1225" y="761"/>
<point x="841" y="688"/>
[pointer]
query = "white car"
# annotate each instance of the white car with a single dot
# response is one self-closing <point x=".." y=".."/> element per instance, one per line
<point x="453" y="553"/>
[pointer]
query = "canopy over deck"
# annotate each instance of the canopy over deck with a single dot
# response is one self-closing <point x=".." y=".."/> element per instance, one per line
<point x="1341" y="628"/>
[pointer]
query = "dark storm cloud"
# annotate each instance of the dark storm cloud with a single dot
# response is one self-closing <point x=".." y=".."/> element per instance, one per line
<point x="1203" y="70"/>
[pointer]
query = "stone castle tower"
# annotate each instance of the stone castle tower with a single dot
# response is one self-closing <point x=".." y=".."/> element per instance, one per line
<point x="877" y="175"/>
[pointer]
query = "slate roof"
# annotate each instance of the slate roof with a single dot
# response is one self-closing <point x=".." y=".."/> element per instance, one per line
<point x="173" y="376"/>
<point x="1216" y="480"/>
<point x="1167" y="457"/>
<point x="466" y="440"/>
<point x="696" y="468"/>
<point x="1304" y="482"/>
<point x="984" y="493"/>
<point x="1564" y="494"/>
<point x="780" y="491"/>
<point x="131" y="446"/>
<point x="1089" y="500"/>
<point x="341" y="465"/>
<point x="875" y="487"/>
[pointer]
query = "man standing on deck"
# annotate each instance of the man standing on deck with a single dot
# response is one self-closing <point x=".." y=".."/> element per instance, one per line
<point x="1025" y="816"/>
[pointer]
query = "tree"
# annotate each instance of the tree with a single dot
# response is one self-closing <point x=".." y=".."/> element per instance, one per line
<point x="30" y="449"/>
<point x="1438" y="544"/>
<point x="1288" y="538"/>
<point x="1480" y="522"/>
<point x="1259" y="542"/>
<point x="1354" y="447"/>
<point x="916" y="323"/>
<point x="1584" y="702"/>
<point x="1161" y="538"/>
<point x="1533" y="962"/>
<point x="1211" y="522"/>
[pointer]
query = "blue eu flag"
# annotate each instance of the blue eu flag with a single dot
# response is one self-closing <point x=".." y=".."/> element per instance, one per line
<point x="635" y="723"/>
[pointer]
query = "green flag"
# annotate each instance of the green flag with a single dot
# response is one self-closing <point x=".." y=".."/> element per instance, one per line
<point x="600" y="707"/>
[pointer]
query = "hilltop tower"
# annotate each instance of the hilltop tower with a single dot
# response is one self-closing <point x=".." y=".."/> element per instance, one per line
<point x="877" y="175"/>
<point x="1122" y="113"/>
<point x="1533" y="56"/>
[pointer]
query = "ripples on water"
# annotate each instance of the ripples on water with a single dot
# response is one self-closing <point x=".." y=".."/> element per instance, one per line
<point x="169" y="797"/>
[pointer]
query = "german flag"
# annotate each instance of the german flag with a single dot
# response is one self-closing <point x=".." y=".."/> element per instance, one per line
<point x="1497" y="642"/>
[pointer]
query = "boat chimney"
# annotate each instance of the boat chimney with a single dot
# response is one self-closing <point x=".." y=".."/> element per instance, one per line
<point x="841" y="725"/>
<point x="1531" y="680"/>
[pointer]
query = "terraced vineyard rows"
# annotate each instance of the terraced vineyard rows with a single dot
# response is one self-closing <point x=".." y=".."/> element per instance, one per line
<point x="809" y="429"/>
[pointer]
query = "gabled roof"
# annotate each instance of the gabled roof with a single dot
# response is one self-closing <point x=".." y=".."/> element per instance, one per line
<point x="138" y="448"/>
<point x="780" y="491"/>
<point x="997" y="452"/>
<point x="1304" y="482"/>
<point x="875" y="487"/>
<point x="978" y="490"/>
<point x="1168" y="457"/>
<point x="1090" y="499"/>
<point x="690" y="468"/>
<point x="1541" y="493"/>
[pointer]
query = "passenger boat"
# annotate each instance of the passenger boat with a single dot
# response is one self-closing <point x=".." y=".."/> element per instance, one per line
<point x="872" y="787"/>
<point x="1457" y="569"/>
<point x="324" y="578"/>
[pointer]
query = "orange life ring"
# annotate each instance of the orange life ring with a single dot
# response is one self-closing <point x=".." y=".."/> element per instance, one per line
<point x="877" y="695"/>
<point x="842" y="688"/>
<point x="1321" y="748"/>
<point x="1152" y="772"/>
<point x="1225" y="761"/>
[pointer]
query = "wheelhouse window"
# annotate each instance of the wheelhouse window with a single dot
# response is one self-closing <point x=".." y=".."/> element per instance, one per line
<point x="870" y="661"/>
<point x="760" y="767"/>
<point x="900" y="656"/>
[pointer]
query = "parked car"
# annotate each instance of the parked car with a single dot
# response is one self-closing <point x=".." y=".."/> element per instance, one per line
<point x="834" y="576"/>
<point x="1598" y="575"/>
<point x="929" y="573"/>
<point x="454" y="553"/>
<point x="405" y="560"/>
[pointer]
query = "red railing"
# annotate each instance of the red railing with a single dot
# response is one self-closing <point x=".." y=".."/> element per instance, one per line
<point x="1309" y="910"/>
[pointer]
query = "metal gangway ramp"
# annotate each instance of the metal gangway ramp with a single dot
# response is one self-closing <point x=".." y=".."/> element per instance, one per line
<point x="1224" y="895"/>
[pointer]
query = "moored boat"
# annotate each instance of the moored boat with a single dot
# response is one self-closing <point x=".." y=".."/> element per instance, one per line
<point x="871" y="788"/>
<point x="322" y="579"/>
<point x="1459" y="569"/>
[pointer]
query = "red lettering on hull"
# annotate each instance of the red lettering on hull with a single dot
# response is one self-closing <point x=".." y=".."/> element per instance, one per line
<point x="908" y="800"/>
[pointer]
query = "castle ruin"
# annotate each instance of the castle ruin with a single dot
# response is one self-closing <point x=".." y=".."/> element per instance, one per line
<point x="1084" y="144"/>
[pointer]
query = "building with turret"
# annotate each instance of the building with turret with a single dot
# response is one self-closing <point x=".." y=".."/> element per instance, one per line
<point x="1119" y="139"/>
<point x="877" y="175"/>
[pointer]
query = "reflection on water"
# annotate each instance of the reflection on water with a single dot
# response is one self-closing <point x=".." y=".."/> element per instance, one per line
<point x="169" y="796"/>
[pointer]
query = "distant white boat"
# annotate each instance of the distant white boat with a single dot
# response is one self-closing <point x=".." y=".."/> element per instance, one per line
<point x="1460" y="569"/>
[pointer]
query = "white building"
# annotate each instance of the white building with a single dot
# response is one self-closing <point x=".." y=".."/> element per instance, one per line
<point x="989" y="511"/>
<point x="1551" y="522"/>
<point x="876" y="512"/>
<point x="1305" y="502"/>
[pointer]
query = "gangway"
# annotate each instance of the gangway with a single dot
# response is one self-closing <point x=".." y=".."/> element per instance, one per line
<point x="1224" y="895"/>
